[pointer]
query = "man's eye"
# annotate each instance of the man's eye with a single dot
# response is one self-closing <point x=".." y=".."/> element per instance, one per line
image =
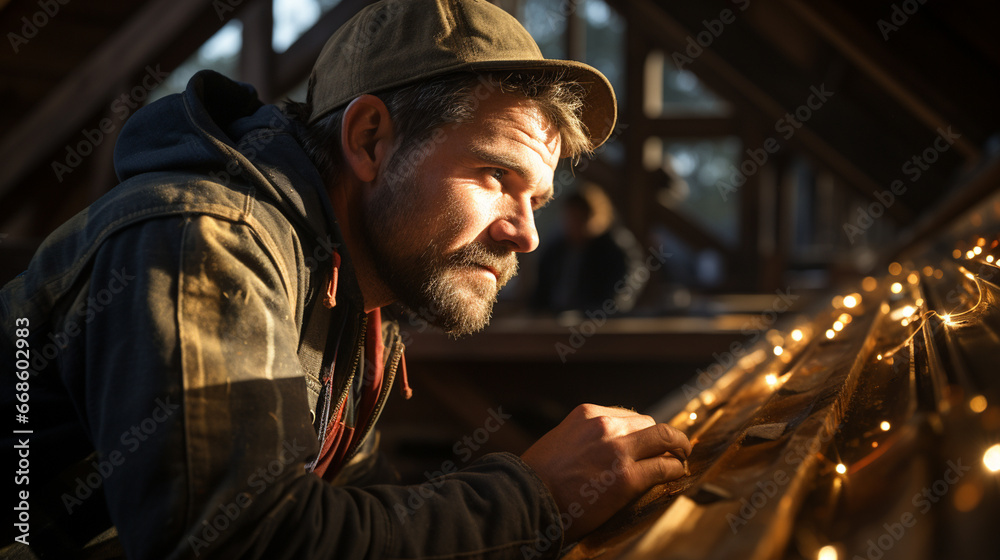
<point x="498" y="173"/>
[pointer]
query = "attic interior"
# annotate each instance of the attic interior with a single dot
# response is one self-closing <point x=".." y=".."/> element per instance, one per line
<point x="781" y="157"/>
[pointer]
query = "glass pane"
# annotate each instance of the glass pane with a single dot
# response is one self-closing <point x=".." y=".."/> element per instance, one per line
<point x="606" y="43"/>
<point x="683" y="93"/>
<point x="700" y="165"/>
<point x="220" y="53"/>
<point x="545" y="20"/>
<point x="292" y="18"/>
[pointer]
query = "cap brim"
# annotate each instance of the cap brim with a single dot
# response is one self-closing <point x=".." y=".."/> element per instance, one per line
<point x="600" y="110"/>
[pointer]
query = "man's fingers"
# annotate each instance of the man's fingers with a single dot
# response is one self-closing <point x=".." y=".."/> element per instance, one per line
<point x="657" y="440"/>
<point x="657" y="470"/>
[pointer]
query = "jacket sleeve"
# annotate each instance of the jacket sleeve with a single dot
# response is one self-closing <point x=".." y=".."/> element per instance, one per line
<point x="194" y="395"/>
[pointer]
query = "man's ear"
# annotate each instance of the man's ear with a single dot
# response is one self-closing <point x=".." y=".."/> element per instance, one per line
<point x="366" y="136"/>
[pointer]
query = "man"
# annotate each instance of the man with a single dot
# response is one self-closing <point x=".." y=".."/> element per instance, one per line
<point x="209" y="351"/>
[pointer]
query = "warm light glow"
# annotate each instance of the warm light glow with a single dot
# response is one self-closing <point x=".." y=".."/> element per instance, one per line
<point x="977" y="404"/>
<point x="896" y="287"/>
<point x="977" y="250"/>
<point x="919" y="302"/>
<point x="851" y="301"/>
<point x="841" y="468"/>
<point x="895" y="269"/>
<point x="913" y="278"/>
<point x="796" y="335"/>
<point x="771" y="379"/>
<point x="838" y="326"/>
<point x="908" y="310"/>
<point x="989" y="258"/>
<point x="938" y="273"/>
<point x="693" y="416"/>
<point x="830" y="333"/>
<point x="947" y="320"/>
<point x="970" y="276"/>
<point x="845" y="318"/>
<point x="885" y="426"/>
<point x="981" y="241"/>
<point x="827" y="553"/>
<point x="874" y="444"/>
<point x="869" y="284"/>
<point x="838" y="301"/>
<point x="879" y="357"/>
<point x="929" y="270"/>
<point x="969" y="254"/>
<point x="992" y="458"/>
<point x="778" y="350"/>
<point x="957" y="254"/>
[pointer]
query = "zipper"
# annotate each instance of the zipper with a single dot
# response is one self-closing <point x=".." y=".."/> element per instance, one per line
<point x="394" y="357"/>
<point x="346" y="390"/>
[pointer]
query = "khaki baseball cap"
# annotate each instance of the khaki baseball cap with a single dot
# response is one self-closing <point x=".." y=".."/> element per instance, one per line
<point x="394" y="43"/>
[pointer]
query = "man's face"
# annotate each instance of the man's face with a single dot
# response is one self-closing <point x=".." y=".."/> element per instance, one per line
<point x="446" y="216"/>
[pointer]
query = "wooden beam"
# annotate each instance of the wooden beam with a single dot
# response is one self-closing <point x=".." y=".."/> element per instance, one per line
<point x="872" y="59"/>
<point x="693" y="127"/>
<point x="294" y="65"/>
<point x="256" y="55"/>
<point x="645" y="17"/>
<point x="93" y="84"/>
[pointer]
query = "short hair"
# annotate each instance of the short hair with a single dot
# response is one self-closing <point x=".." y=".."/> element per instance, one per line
<point x="417" y="110"/>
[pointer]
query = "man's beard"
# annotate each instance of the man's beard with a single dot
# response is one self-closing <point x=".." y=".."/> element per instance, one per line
<point x="434" y="285"/>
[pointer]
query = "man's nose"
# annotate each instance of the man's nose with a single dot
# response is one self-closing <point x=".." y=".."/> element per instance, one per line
<point x="517" y="228"/>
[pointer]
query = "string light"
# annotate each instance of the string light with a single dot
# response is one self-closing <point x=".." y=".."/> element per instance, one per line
<point x="895" y="269"/>
<point x="885" y="426"/>
<point x="796" y="335"/>
<point x="693" y="416"/>
<point x="977" y="250"/>
<point x="896" y="287"/>
<point x="851" y="301"/>
<point x="838" y="326"/>
<point x="977" y="404"/>
<point x="842" y="468"/>
<point x="992" y="458"/>
<point x="827" y="553"/>
<point x="830" y="333"/>
<point x="771" y="379"/>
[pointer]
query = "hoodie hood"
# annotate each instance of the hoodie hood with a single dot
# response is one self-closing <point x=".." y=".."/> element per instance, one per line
<point x="219" y="128"/>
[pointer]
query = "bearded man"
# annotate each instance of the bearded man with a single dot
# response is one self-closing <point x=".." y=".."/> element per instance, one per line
<point x="220" y="357"/>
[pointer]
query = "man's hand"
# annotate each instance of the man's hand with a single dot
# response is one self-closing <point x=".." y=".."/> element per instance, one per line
<point x="598" y="459"/>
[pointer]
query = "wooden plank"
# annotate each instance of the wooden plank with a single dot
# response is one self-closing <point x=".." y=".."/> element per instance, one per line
<point x="256" y="55"/>
<point x="93" y="84"/>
